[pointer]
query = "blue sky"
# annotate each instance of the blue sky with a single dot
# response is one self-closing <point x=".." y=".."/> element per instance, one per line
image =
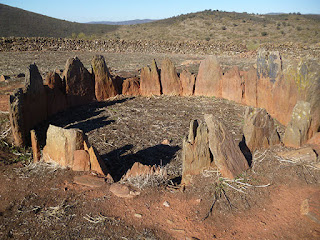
<point x="119" y="10"/>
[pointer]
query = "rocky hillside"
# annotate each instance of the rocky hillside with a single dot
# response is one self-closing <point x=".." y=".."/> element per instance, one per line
<point x="213" y="26"/>
<point x="18" y="22"/>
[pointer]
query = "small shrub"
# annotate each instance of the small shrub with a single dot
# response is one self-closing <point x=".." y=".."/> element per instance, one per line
<point x="235" y="25"/>
<point x="224" y="28"/>
<point x="249" y="29"/>
<point x="298" y="28"/>
<point x="278" y="28"/>
<point x="207" y="39"/>
<point x="264" y="34"/>
<point x="282" y="32"/>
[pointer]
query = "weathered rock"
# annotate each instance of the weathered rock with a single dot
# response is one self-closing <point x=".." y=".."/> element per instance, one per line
<point x="139" y="169"/>
<point x="122" y="191"/>
<point x="310" y="207"/>
<point x="195" y="151"/>
<point x="35" y="146"/>
<point x="251" y="87"/>
<point x="28" y="106"/>
<point x="209" y="78"/>
<point x="296" y="133"/>
<point x="81" y="160"/>
<point x="53" y="81"/>
<point x="97" y="164"/>
<point x="259" y="129"/>
<point x="170" y="81"/>
<point x="61" y="144"/>
<point x="226" y="153"/>
<point x="315" y="140"/>
<point x="150" y="80"/>
<point x="232" y="85"/>
<point x="89" y="181"/>
<point x="3" y="78"/>
<point x="187" y="83"/>
<point x="303" y="155"/>
<point x="105" y="86"/>
<point x="131" y="87"/>
<point x="79" y="83"/>
<point x="55" y="91"/>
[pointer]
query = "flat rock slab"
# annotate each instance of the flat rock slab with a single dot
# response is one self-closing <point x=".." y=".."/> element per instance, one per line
<point x="123" y="191"/>
<point x="310" y="207"/>
<point x="89" y="181"/>
<point x="306" y="154"/>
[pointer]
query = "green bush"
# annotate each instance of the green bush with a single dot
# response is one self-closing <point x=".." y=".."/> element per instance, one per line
<point x="264" y="34"/>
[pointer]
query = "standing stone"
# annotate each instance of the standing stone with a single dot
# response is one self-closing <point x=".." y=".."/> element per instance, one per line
<point x="188" y="81"/>
<point x="170" y="81"/>
<point x="35" y="147"/>
<point x="233" y="85"/>
<point x="28" y="106"/>
<point x="131" y="87"/>
<point x="81" y="160"/>
<point x="105" y="86"/>
<point x="251" y="87"/>
<point x="79" y="83"/>
<point x="195" y="151"/>
<point x="226" y="153"/>
<point x="259" y="129"/>
<point x="209" y="78"/>
<point x="150" y="80"/>
<point x="296" y="133"/>
<point x="55" y="91"/>
<point x="61" y="144"/>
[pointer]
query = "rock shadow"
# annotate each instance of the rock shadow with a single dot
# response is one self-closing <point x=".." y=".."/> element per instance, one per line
<point x="85" y="117"/>
<point x="245" y="150"/>
<point x="119" y="162"/>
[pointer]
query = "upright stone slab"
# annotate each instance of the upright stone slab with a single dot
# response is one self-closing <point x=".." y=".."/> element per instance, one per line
<point x="131" y="87"/>
<point x="61" y="144"/>
<point x="105" y="85"/>
<point x="296" y="133"/>
<point x="233" y="85"/>
<point x="259" y="129"/>
<point x="150" y="80"/>
<point x="170" y="81"/>
<point x="226" y="153"/>
<point x="187" y="83"/>
<point x="251" y="87"/>
<point x="55" y="91"/>
<point x="28" y="106"/>
<point x="195" y="151"/>
<point x="209" y="78"/>
<point x="80" y="87"/>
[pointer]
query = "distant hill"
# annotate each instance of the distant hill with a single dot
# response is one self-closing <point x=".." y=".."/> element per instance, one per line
<point x="21" y="23"/>
<point x="130" y="22"/>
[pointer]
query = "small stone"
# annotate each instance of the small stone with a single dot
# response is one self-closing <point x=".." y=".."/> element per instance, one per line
<point x="169" y="221"/>
<point x="165" y="142"/>
<point x="35" y="146"/>
<point x="89" y="181"/>
<point x="3" y="78"/>
<point x="138" y="215"/>
<point x="310" y="207"/>
<point x="122" y="191"/>
<point x="166" y="204"/>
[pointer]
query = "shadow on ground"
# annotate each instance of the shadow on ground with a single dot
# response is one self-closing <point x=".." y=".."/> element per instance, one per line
<point x="119" y="162"/>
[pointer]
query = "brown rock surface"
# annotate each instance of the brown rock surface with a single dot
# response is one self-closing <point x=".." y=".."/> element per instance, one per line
<point x="28" y="106"/>
<point x="122" y="191"/>
<point x="233" y="86"/>
<point x="170" y="81"/>
<point x="139" y="169"/>
<point x="97" y="164"/>
<point x="259" y="129"/>
<point x="296" y="133"/>
<point x="301" y="155"/>
<point x="89" y="181"/>
<point x="226" y="153"/>
<point x="53" y="81"/>
<point x="209" y="78"/>
<point x="81" y="160"/>
<point x="80" y="87"/>
<point x="251" y="87"/>
<point x="150" y="80"/>
<point x="195" y="151"/>
<point x="36" y="153"/>
<point x="131" y="87"/>
<point x="310" y="207"/>
<point x="105" y="86"/>
<point x="187" y="83"/>
<point x="61" y="144"/>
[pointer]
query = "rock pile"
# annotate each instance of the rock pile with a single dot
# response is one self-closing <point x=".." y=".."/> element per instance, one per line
<point x="210" y="144"/>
